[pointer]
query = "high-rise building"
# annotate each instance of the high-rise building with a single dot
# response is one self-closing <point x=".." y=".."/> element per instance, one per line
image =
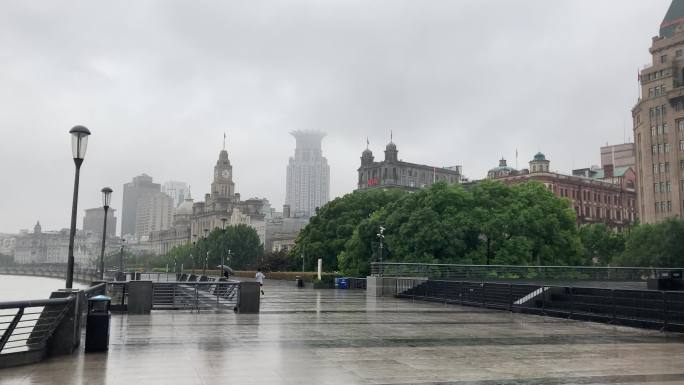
<point x="94" y="220"/>
<point x="134" y="194"/>
<point x="154" y="213"/>
<point x="176" y="190"/>
<point x="658" y="119"/>
<point x="395" y="173"/>
<point x="308" y="175"/>
<point x="619" y="155"/>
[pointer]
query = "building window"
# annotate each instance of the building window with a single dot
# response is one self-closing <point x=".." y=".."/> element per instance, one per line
<point x="656" y="187"/>
<point x="681" y="164"/>
<point x="650" y="92"/>
<point x="669" y="206"/>
<point x="662" y="109"/>
<point x="667" y="147"/>
<point x="664" y="128"/>
<point x="681" y="145"/>
<point x="678" y="53"/>
<point x="668" y="186"/>
<point x="663" y="59"/>
<point x="655" y="168"/>
<point x="657" y="111"/>
<point x="660" y="149"/>
<point x="667" y="166"/>
<point x="653" y="131"/>
<point x="680" y="124"/>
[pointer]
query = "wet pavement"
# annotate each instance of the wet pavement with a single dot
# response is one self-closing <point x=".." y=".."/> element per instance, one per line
<point x="305" y="336"/>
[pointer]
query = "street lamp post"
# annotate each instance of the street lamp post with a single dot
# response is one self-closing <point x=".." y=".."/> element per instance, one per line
<point x="223" y="236"/>
<point x="106" y="199"/>
<point x="79" y="143"/>
<point x="192" y="257"/>
<point x="381" y="237"/>
<point x="206" y="256"/>
<point x="121" y="257"/>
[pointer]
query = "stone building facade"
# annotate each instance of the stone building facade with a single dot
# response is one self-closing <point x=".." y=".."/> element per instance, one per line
<point x="658" y="119"/>
<point x="53" y="247"/>
<point x="224" y="203"/>
<point x="395" y="173"/>
<point x="599" y="198"/>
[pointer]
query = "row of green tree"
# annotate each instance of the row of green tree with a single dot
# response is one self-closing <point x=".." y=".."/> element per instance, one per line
<point x="491" y="223"/>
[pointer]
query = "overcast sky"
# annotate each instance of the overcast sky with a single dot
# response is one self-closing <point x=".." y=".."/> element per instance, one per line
<point x="158" y="82"/>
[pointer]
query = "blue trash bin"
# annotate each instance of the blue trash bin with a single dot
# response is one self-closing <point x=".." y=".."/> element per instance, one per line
<point x="343" y="283"/>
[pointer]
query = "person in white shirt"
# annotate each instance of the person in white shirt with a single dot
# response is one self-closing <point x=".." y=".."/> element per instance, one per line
<point x="260" y="278"/>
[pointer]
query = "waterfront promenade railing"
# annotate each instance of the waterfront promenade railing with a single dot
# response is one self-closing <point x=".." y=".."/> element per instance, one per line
<point x="512" y="272"/>
<point x="26" y="326"/>
<point x="642" y="308"/>
<point x="192" y="295"/>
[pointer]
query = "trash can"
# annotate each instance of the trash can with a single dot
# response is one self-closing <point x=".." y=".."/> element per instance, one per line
<point x="300" y="281"/>
<point x="97" y="324"/>
<point x="343" y="283"/>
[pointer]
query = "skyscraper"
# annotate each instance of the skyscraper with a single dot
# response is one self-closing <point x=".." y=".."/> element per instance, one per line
<point x="308" y="175"/>
<point x="94" y="220"/>
<point x="658" y="119"/>
<point x="176" y="190"/>
<point x="135" y="193"/>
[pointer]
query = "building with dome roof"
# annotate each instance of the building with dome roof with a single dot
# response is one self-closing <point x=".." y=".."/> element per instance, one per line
<point x="395" y="173"/>
<point x="599" y="197"/>
<point x="501" y="170"/>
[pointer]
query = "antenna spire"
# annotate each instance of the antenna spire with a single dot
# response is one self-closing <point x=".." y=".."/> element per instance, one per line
<point x="224" y="141"/>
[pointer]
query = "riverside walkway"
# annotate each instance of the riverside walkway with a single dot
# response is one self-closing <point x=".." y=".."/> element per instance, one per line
<point x="326" y="337"/>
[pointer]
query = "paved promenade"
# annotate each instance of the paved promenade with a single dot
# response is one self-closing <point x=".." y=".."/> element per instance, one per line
<point x="339" y="337"/>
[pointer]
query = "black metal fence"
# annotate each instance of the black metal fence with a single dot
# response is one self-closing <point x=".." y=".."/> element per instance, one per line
<point x="513" y="273"/>
<point x="642" y="308"/>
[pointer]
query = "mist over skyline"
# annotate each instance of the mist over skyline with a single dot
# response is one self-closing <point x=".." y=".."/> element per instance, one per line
<point x="159" y="82"/>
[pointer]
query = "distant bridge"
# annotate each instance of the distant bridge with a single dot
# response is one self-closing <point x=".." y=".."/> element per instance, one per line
<point x="85" y="275"/>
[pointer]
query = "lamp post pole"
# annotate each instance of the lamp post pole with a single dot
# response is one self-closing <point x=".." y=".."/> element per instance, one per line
<point x="192" y="257"/>
<point x="206" y="256"/>
<point x="121" y="256"/>
<point x="381" y="237"/>
<point x="79" y="143"/>
<point x="106" y="197"/>
<point x="223" y="236"/>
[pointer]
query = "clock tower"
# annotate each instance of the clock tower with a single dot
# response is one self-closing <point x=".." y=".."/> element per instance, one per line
<point x="223" y="185"/>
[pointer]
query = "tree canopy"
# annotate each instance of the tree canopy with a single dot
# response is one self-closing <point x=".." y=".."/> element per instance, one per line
<point x="654" y="245"/>
<point x="490" y="224"/>
<point x="241" y="241"/>
<point x="328" y="231"/>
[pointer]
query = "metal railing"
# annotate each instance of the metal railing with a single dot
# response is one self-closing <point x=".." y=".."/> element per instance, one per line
<point x="196" y="295"/>
<point x="512" y="272"/>
<point x="642" y="308"/>
<point x="356" y="283"/>
<point x="26" y="326"/>
<point x="207" y="295"/>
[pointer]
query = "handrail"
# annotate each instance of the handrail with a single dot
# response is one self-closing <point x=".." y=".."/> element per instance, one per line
<point x="527" y="266"/>
<point x="36" y="303"/>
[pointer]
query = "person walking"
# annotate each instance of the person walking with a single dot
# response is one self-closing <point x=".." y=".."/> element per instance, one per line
<point x="260" y="278"/>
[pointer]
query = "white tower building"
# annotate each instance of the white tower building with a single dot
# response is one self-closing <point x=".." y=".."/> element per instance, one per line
<point x="308" y="175"/>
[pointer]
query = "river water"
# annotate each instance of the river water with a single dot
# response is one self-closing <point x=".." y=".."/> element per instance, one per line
<point x="19" y="287"/>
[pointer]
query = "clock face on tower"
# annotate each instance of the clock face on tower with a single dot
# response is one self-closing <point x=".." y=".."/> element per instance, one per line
<point x="225" y="174"/>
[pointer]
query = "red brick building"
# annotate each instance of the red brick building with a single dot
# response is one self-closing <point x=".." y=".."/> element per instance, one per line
<point x="605" y="195"/>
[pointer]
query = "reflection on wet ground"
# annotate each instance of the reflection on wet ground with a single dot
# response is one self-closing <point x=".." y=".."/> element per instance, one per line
<point x="305" y="336"/>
